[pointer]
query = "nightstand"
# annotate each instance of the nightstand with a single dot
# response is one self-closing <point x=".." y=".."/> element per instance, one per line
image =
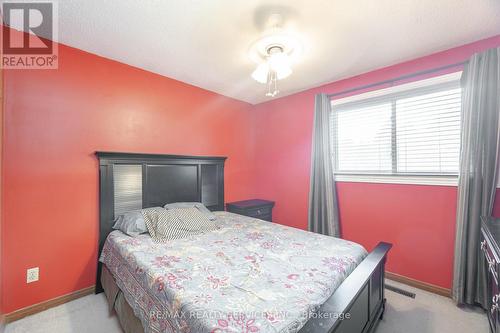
<point x="257" y="208"/>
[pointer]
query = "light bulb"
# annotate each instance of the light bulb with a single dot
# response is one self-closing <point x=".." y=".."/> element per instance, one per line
<point x="261" y="72"/>
<point x="280" y="63"/>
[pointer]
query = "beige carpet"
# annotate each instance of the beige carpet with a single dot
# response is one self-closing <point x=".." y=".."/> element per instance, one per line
<point x="426" y="313"/>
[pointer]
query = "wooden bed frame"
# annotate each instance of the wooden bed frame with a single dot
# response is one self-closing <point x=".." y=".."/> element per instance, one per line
<point x="355" y="307"/>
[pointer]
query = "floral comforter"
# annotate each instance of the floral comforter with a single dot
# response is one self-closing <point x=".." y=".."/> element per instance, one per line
<point x="248" y="276"/>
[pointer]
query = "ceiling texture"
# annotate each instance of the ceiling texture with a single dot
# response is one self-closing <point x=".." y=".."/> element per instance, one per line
<point x="206" y="42"/>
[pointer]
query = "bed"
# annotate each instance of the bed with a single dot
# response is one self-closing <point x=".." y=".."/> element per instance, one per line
<point x="248" y="276"/>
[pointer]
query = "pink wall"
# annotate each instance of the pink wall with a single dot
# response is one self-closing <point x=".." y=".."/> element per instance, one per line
<point x="496" y="206"/>
<point x="1" y="208"/>
<point x="419" y="220"/>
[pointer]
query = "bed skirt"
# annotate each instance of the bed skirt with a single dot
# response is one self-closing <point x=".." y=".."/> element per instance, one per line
<point x="118" y="305"/>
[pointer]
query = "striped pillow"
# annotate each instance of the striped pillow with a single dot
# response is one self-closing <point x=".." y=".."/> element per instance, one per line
<point x="164" y="225"/>
<point x="194" y="219"/>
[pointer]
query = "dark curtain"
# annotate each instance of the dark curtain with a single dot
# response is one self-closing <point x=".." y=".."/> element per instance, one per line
<point x="478" y="171"/>
<point x="323" y="207"/>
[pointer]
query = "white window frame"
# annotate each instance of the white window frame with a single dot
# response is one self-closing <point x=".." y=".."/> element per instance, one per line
<point x="451" y="180"/>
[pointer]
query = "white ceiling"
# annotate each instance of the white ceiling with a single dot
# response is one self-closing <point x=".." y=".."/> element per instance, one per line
<point x="205" y="42"/>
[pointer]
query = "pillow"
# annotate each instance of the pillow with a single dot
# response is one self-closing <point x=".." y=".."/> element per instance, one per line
<point x="194" y="219"/>
<point x="201" y="207"/>
<point x="131" y="223"/>
<point x="164" y="225"/>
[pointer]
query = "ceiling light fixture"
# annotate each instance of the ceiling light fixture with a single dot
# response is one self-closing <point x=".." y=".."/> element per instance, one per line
<point x="276" y="67"/>
<point x="274" y="54"/>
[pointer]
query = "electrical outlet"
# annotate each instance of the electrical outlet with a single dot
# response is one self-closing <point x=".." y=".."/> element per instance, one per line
<point x="32" y="274"/>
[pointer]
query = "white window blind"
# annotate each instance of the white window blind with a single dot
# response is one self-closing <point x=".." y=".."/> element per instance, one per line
<point x="415" y="132"/>
<point x="364" y="139"/>
<point x="428" y="132"/>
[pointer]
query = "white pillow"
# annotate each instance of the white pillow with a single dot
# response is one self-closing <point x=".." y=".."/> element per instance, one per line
<point x="131" y="223"/>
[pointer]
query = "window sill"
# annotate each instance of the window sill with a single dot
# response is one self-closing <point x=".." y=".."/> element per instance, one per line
<point x="391" y="179"/>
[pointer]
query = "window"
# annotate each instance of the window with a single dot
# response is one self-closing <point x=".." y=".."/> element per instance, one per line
<point x="414" y="131"/>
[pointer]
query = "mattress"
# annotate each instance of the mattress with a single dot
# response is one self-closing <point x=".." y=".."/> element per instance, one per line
<point x="248" y="276"/>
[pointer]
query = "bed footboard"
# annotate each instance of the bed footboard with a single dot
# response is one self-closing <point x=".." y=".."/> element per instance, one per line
<point x="358" y="303"/>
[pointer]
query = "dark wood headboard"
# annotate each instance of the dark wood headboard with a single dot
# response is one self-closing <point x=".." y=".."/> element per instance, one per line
<point x="129" y="181"/>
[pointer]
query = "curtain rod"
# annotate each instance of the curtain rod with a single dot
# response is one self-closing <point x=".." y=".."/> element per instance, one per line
<point x="399" y="78"/>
